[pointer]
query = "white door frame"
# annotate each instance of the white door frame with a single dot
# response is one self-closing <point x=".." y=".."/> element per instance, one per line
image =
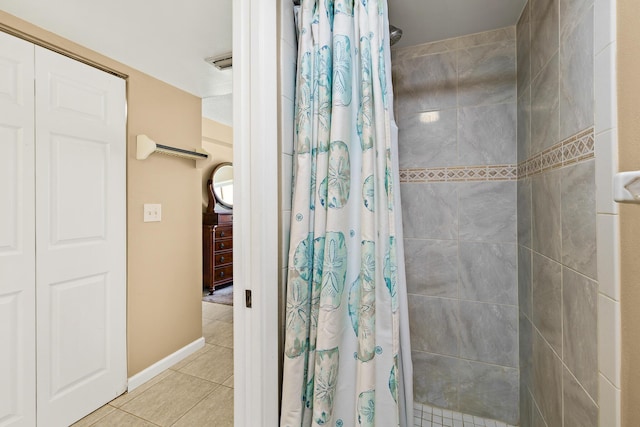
<point x="256" y="217"/>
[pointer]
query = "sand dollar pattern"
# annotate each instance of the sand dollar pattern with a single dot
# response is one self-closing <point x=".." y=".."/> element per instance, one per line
<point x="364" y="124"/>
<point x="326" y="379"/>
<point x="367" y="408"/>
<point x="365" y="304"/>
<point x="328" y="6"/>
<point x="322" y="94"/>
<point x="316" y="289"/>
<point x="368" y="192"/>
<point x="334" y="270"/>
<point x="312" y="187"/>
<point x="382" y="76"/>
<point x="344" y="7"/>
<point x="339" y="177"/>
<point x="304" y="104"/>
<point x="390" y="273"/>
<point x="342" y="80"/>
<point x="393" y="379"/>
<point x="388" y="180"/>
<point x="298" y="293"/>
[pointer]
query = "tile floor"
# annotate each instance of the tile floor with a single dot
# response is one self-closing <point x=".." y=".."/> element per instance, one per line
<point x="427" y="416"/>
<point x="197" y="391"/>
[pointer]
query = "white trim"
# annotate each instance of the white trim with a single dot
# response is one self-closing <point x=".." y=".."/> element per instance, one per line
<point x="162" y="365"/>
<point x="256" y="164"/>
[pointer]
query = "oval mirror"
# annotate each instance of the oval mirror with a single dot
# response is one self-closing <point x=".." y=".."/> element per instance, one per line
<point x="222" y="184"/>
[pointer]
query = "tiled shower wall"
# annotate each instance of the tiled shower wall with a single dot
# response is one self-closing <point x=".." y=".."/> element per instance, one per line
<point x="557" y="251"/>
<point x="455" y="103"/>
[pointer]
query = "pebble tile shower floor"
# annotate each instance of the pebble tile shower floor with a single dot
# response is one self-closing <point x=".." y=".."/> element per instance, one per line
<point x="427" y="416"/>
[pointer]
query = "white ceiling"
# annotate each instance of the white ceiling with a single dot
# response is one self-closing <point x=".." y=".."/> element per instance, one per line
<point x="425" y="21"/>
<point x="169" y="39"/>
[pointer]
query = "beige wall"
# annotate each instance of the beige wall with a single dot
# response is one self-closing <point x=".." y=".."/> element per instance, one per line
<point x="217" y="140"/>
<point x="164" y="259"/>
<point x="629" y="157"/>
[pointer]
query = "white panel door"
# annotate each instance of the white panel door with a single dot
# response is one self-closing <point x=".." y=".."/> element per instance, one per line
<point x="17" y="250"/>
<point x="80" y="238"/>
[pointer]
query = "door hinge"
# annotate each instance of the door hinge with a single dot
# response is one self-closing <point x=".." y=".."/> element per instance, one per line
<point x="247" y="297"/>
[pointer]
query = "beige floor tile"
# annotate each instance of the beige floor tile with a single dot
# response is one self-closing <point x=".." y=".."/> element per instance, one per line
<point x="218" y="333"/>
<point x="127" y="397"/>
<point x="168" y="400"/>
<point x="221" y="312"/>
<point x="228" y="382"/>
<point x="215" y="365"/>
<point x="184" y="362"/>
<point x="119" y="418"/>
<point x="215" y="410"/>
<point x="94" y="416"/>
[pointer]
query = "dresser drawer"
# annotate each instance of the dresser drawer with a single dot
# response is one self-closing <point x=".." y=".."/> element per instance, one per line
<point x="223" y="258"/>
<point x="223" y="273"/>
<point x="224" y="232"/>
<point x="223" y="244"/>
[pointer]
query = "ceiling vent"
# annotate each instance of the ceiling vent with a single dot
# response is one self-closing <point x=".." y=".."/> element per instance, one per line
<point x="221" y="62"/>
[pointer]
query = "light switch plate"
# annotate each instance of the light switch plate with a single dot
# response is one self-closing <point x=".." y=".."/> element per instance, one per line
<point x="152" y="212"/>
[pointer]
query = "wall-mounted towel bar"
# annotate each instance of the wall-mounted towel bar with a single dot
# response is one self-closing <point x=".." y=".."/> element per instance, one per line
<point x="146" y="146"/>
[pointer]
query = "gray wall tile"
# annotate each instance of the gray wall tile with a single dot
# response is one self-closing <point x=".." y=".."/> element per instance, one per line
<point x="523" y="33"/>
<point x="579" y="218"/>
<point x="547" y="382"/>
<point x="536" y="418"/>
<point x="546" y="223"/>
<point x="487" y="74"/>
<point x="524" y="280"/>
<point x="435" y="379"/>
<point x="580" y="328"/>
<point x="526" y="350"/>
<point x="545" y="121"/>
<point x="524" y="124"/>
<point x="526" y="406"/>
<point x="489" y="333"/>
<point x="579" y="409"/>
<point x="425" y="83"/>
<point x="544" y="32"/>
<point x="432" y="267"/>
<point x="430" y="211"/>
<point x="487" y="37"/>
<point x="547" y="300"/>
<point x="524" y="212"/>
<point x="576" y="78"/>
<point x="488" y="272"/>
<point x="571" y="11"/>
<point x="424" y="141"/>
<point x="489" y="391"/>
<point x="488" y="211"/>
<point x="487" y="135"/>
<point x="434" y="324"/>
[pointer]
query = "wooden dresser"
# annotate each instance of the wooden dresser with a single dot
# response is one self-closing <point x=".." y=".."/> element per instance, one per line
<point x="217" y="248"/>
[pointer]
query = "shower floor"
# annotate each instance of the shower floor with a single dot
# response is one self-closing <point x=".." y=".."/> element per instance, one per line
<point x="428" y="416"/>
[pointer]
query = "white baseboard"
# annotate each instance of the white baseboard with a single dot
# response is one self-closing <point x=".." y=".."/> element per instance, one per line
<point x="162" y="365"/>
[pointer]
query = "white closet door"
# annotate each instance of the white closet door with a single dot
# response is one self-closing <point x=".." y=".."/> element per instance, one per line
<point x="80" y="238"/>
<point x="17" y="250"/>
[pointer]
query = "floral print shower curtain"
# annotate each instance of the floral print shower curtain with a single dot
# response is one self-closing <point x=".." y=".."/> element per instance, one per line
<point x="343" y="361"/>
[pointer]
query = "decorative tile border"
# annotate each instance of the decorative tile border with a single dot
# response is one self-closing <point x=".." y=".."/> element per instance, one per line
<point x="460" y="173"/>
<point x="575" y="149"/>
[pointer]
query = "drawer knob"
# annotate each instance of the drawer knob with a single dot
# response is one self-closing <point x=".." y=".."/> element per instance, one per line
<point x="222" y="234"/>
<point x="222" y="274"/>
<point x="222" y="245"/>
<point x="221" y="259"/>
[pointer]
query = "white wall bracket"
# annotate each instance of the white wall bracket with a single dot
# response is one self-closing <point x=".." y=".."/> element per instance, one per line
<point x="146" y="146"/>
<point x="626" y="187"/>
